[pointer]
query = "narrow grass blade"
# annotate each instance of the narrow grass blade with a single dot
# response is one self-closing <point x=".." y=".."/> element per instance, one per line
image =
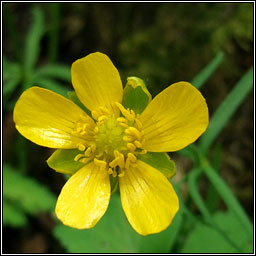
<point x="205" y="74"/>
<point x="56" y="71"/>
<point x="32" y="43"/>
<point x="227" y="196"/>
<point x="226" y="109"/>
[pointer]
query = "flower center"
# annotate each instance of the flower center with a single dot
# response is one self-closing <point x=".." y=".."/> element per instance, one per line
<point x="111" y="142"/>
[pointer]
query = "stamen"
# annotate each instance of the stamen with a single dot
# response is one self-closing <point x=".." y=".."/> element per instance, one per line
<point x="121" y="174"/>
<point x="128" y="138"/>
<point x="138" y="122"/>
<point x="95" y="114"/>
<point x="102" y="164"/>
<point x="131" y="146"/>
<point x="88" y="151"/>
<point x="96" y="129"/>
<point x="132" y="157"/>
<point x="134" y="132"/>
<point x="125" y="112"/>
<point x="102" y="118"/>
<point x="93" y="147"/>
<point x="122" y="120"/>
<point x="110" y="171"/>
<point x="114" y="163"/>
<point x="142" y="152"/>
<point x="114" y="174"/>
<point x="85" y="160"/>
<point x="124" y="125"/>
<point x="79" y="156"/>
<point x="81" y="147"/>
<point x="137" y="144"/>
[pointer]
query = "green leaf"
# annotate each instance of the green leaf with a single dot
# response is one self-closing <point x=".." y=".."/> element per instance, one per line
<point x="72" y="96"/>
<point x="11" y="76"/>
<point x="62" y="160"/>
<point x="206" y="239"/>
<point x="113" y="234"/>
<point x="113" y="183"/>
<point x="26" y="193"/>
<point x="136" y="95"/>
<point x="205" y="74"/>
<point x="226" y="110"/>
<point x="54" y="30"/>
<point x="13" y="216"/>
<point x="227" y="196"/>
<point x="160" y="161"/>
<point x="193" y="176"/>
<point x="51" y="85"/>
<point x="32" y="43"/>
<point x="56" y="71"/>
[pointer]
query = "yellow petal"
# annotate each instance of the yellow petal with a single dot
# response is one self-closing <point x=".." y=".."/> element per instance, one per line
<point x="47" y="118"/>
<point x="148" y="199"/>
<point x="96" y="81"/>
<point x="175" y="118"/>
<point x="84" y="198"/>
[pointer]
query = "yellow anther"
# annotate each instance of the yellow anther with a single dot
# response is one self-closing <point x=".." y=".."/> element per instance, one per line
<point x="114" y="174"/>
<point x="121" y="174"/>
<point x="79" y="156"/>
<point x="131" y="146"/>
<point x="84" y="126"/>
<point x="132" y="157"/>
<point x="134" y="132"/>
<point x="142" y="152"/>
<point x="93" y="147"/>
<point x="82" y="132"/>
<point x="95" y="114"/>
<point x="116" y="153"/>
<point x="125" y="112"/>
<point x="121" y="161"/>
<point x="81" y="147"/>
<point x="114" y="163"/>
<point x="139" y="124"/>
<point x="88" y="151"/>
<point x="128" y="138"/>
<point x="79" y="129"/>
<point x="102" y="164"/>
<point x="102" y="118"/>
<point x="85" y="160"/>
<point x="124" y="125"/>
<point x="110" y="171"/>
<point x="122" y="120"/>
<point x="104" y="110"/>
<point x="96" y="129"/>
<point x="132" y="113"/>
<point x="137" y="144"/>
<point x="127" y="163"/>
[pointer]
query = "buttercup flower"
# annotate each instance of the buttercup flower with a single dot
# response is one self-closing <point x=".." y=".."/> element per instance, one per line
<point x="110" y="143"/>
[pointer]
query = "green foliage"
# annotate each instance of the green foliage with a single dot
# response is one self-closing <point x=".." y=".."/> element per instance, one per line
<point x="136" y="95"/>
<point x="208" y="239"/>
<point x="160" y="161"/>
<point x="149" y="49"/>
<point x="62" y="160"/>
<point x="226" y="109"/>
<point x="23" y="195"/>
<point x="32" y="43"/>
<point x="11" y="77"/>
<point x="205" y="74"/>
<point x="72" y="96"/>
<point x="113" y="234"/>
<point x="12" y="215"/>
<point x="55" y="71"/>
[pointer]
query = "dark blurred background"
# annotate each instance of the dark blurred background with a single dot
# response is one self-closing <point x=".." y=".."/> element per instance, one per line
<point x="161" y="43"/>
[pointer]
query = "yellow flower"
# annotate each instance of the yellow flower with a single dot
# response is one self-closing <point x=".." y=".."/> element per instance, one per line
<point x="111" y="141"/>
